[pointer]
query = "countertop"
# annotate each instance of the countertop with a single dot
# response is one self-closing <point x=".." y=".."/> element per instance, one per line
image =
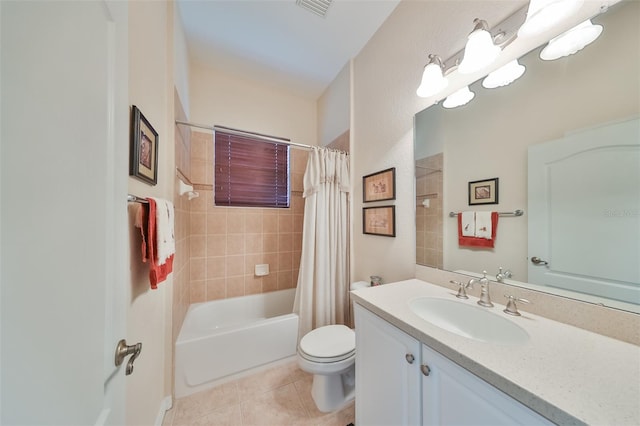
<point x="566" y="374"/>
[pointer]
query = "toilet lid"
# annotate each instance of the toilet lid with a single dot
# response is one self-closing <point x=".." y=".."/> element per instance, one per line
<point x="329" y="342"/>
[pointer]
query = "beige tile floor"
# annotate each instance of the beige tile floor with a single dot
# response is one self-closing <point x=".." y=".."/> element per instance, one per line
<point x="279" y="396"/>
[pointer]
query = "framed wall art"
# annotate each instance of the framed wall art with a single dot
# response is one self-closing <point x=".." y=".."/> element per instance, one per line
<point x="483" y="192"/>
<point x="379" y="221"/>
<point x="379" y="186"/>
<point x="143" y="157"/>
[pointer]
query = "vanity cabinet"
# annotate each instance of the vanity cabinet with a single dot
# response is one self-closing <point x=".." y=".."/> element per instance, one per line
<point x="400" y="381"/>
<point x="387" y="373"/>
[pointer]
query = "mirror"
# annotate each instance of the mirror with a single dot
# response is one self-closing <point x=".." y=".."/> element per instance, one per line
<point x="491" y="137"/>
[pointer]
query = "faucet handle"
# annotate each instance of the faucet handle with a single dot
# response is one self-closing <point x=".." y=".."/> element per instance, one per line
<point x="462" y="294"/>
<point x="511" y="308"/>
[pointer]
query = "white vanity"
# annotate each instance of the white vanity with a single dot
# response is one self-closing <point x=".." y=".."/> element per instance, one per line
<point x="410" y="371"/>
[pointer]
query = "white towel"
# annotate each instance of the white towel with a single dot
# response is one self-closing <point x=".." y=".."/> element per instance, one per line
<point x="468" y="224"/>
<point x="483" y="225"/>
<point x="166" y="241"/>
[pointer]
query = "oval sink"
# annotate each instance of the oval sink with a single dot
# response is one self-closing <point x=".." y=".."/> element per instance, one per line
<point x="473" y="322"/>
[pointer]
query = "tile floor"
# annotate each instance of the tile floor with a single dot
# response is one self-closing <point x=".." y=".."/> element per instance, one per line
<point x="279" y="396"/>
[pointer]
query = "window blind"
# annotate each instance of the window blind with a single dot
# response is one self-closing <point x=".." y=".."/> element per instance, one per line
<point x="250" y="171"/>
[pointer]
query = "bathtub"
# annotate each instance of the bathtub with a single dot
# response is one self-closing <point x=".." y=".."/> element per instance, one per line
<point x="223" y="338"/>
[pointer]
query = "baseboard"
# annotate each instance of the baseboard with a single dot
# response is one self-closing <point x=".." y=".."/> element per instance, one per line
<point x="165" y="406"/>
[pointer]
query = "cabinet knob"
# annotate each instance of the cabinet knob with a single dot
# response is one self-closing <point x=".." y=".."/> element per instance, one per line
<point x="425" y="369"/>
<point x="410" y="358"/>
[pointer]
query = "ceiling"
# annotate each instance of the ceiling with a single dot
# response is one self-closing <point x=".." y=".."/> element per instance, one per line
<point x="279" y="42"/>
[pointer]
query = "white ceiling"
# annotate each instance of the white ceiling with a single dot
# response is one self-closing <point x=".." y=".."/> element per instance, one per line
<point x="278" y="42"/>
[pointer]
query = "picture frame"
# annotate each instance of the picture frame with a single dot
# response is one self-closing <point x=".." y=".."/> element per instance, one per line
<point x="379" y="186"/>
<point x="143" y="157"/>
<point x="483" y="192"/>
<point x="379" y="221"/>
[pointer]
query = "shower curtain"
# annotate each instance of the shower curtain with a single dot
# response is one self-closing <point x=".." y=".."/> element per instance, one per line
<point x="322" y="293"/>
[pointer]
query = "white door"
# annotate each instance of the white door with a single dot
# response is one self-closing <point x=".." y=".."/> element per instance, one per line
<point x="63" y="222"/>
<point x="584" y="212"/>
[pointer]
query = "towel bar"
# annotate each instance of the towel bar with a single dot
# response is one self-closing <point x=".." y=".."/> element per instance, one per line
<point x="513" y="213"/>
<point x="136" y="199"/>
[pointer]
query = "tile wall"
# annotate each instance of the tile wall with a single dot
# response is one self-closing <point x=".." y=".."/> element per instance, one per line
<point x="227" y="242"/>
<point x="429" y="251"/>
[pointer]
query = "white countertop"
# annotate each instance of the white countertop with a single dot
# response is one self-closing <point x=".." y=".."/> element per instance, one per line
<point x="566" y="374"/>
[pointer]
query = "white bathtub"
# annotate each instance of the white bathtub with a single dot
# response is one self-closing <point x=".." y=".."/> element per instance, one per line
<point x="230" y="336"/>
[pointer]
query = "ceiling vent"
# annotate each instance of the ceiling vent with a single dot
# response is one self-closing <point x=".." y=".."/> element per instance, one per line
<point x="319" y="7"/>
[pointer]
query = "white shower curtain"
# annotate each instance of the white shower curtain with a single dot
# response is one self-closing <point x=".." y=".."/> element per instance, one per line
<point x="322" y="291"/>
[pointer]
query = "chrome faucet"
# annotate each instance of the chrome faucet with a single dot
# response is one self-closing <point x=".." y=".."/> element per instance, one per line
<point x="462" y="293"/>
<point x="485" y="298"/>
<point x="500" y="276"/>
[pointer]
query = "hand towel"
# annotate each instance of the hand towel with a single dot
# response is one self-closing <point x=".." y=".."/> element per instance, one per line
<point x="468" y="224"/>
<point x="483" y="225"/>
<point x="475" y="241"/>
<point x="157" y="273"/>
<point x="165" y="233"/>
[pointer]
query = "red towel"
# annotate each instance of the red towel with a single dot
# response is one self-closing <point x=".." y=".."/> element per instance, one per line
<point x="478" y="242"/>
<point x="157" y="273"/>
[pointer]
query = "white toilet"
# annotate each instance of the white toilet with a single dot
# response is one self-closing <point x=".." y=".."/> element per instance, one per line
<point x="329" y="353"/>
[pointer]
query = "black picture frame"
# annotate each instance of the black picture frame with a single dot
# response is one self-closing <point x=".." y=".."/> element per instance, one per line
<point x="143" y="157"/>
<point x="379" y="186"/>
<point x="379" y="221"/>
<point x="483" y="192"/>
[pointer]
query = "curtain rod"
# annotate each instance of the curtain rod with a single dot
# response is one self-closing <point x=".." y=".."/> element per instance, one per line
<point x="243" y="133"/>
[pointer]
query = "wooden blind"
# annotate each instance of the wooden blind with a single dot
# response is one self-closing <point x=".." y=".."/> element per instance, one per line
<point x="250" y="171"/>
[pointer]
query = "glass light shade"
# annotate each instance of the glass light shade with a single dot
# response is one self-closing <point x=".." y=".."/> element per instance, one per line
<point x="545" y="14"/>
<point x="571" y="41"/>
<point x="459" y="98"/>
<point x="432" y="81"/>
<point x="479" y="52"/>
<point x="504" y="75"/>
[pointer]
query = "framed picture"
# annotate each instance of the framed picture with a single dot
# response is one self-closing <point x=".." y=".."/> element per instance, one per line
<point x="379" y="221"/>
<point x="379" y="186"/>
<point x="144" y="148"/>
<point x="483" y="192"/>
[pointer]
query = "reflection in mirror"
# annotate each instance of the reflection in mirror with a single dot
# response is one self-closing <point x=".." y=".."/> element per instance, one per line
<point x="580" y="98"/>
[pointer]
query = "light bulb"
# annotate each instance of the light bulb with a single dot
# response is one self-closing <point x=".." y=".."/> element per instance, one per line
<point x="459" y="98"/>
<point x="571" y="41"/>
<point x="479" y="51"/>
<point x="504" y="75"/>
<point x="432" y="79"/>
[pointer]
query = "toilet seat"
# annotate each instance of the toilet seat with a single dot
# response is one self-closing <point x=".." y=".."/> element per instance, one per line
<point x="327" y="344"/>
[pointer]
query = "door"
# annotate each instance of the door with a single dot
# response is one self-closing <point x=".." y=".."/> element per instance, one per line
<point x="63" y="219"/>
<point x="584" y="221"/>
<point x="387" y="373"/>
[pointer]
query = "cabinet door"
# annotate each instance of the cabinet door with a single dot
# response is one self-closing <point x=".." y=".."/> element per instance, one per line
<point x="387" y="383"/>
<point x="453" y="396"/>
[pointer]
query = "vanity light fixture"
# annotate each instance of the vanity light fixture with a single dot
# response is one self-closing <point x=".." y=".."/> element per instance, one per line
<point x="504" y="75"/>
<point x="480" y="51"/>
<point x="433" y="81"/>
<point x="571" y="41"/>
<point x="459" y="98"/>
<point x="545" y="14"/>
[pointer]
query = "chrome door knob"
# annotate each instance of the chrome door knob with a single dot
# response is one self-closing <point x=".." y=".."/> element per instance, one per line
<point x="537" y="261"/>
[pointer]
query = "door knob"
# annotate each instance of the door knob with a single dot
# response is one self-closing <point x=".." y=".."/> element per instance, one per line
<point x="425" y="369"/>
<point x="537" y="261"/>
<point x="122" y="351"/>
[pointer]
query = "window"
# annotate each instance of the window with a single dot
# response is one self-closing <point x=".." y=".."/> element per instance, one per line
<point x="250" y="171"/>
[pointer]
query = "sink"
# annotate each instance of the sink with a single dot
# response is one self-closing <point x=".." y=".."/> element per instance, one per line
<point x="467" y="320"/>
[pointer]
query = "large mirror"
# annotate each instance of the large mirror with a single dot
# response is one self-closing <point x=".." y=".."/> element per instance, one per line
<point x="581" y="212"/>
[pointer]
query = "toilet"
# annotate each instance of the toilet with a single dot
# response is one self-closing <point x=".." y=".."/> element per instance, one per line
<point x="329" y="353"/>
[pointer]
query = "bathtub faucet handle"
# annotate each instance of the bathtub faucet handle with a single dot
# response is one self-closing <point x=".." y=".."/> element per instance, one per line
<point x="122" y="351"/>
